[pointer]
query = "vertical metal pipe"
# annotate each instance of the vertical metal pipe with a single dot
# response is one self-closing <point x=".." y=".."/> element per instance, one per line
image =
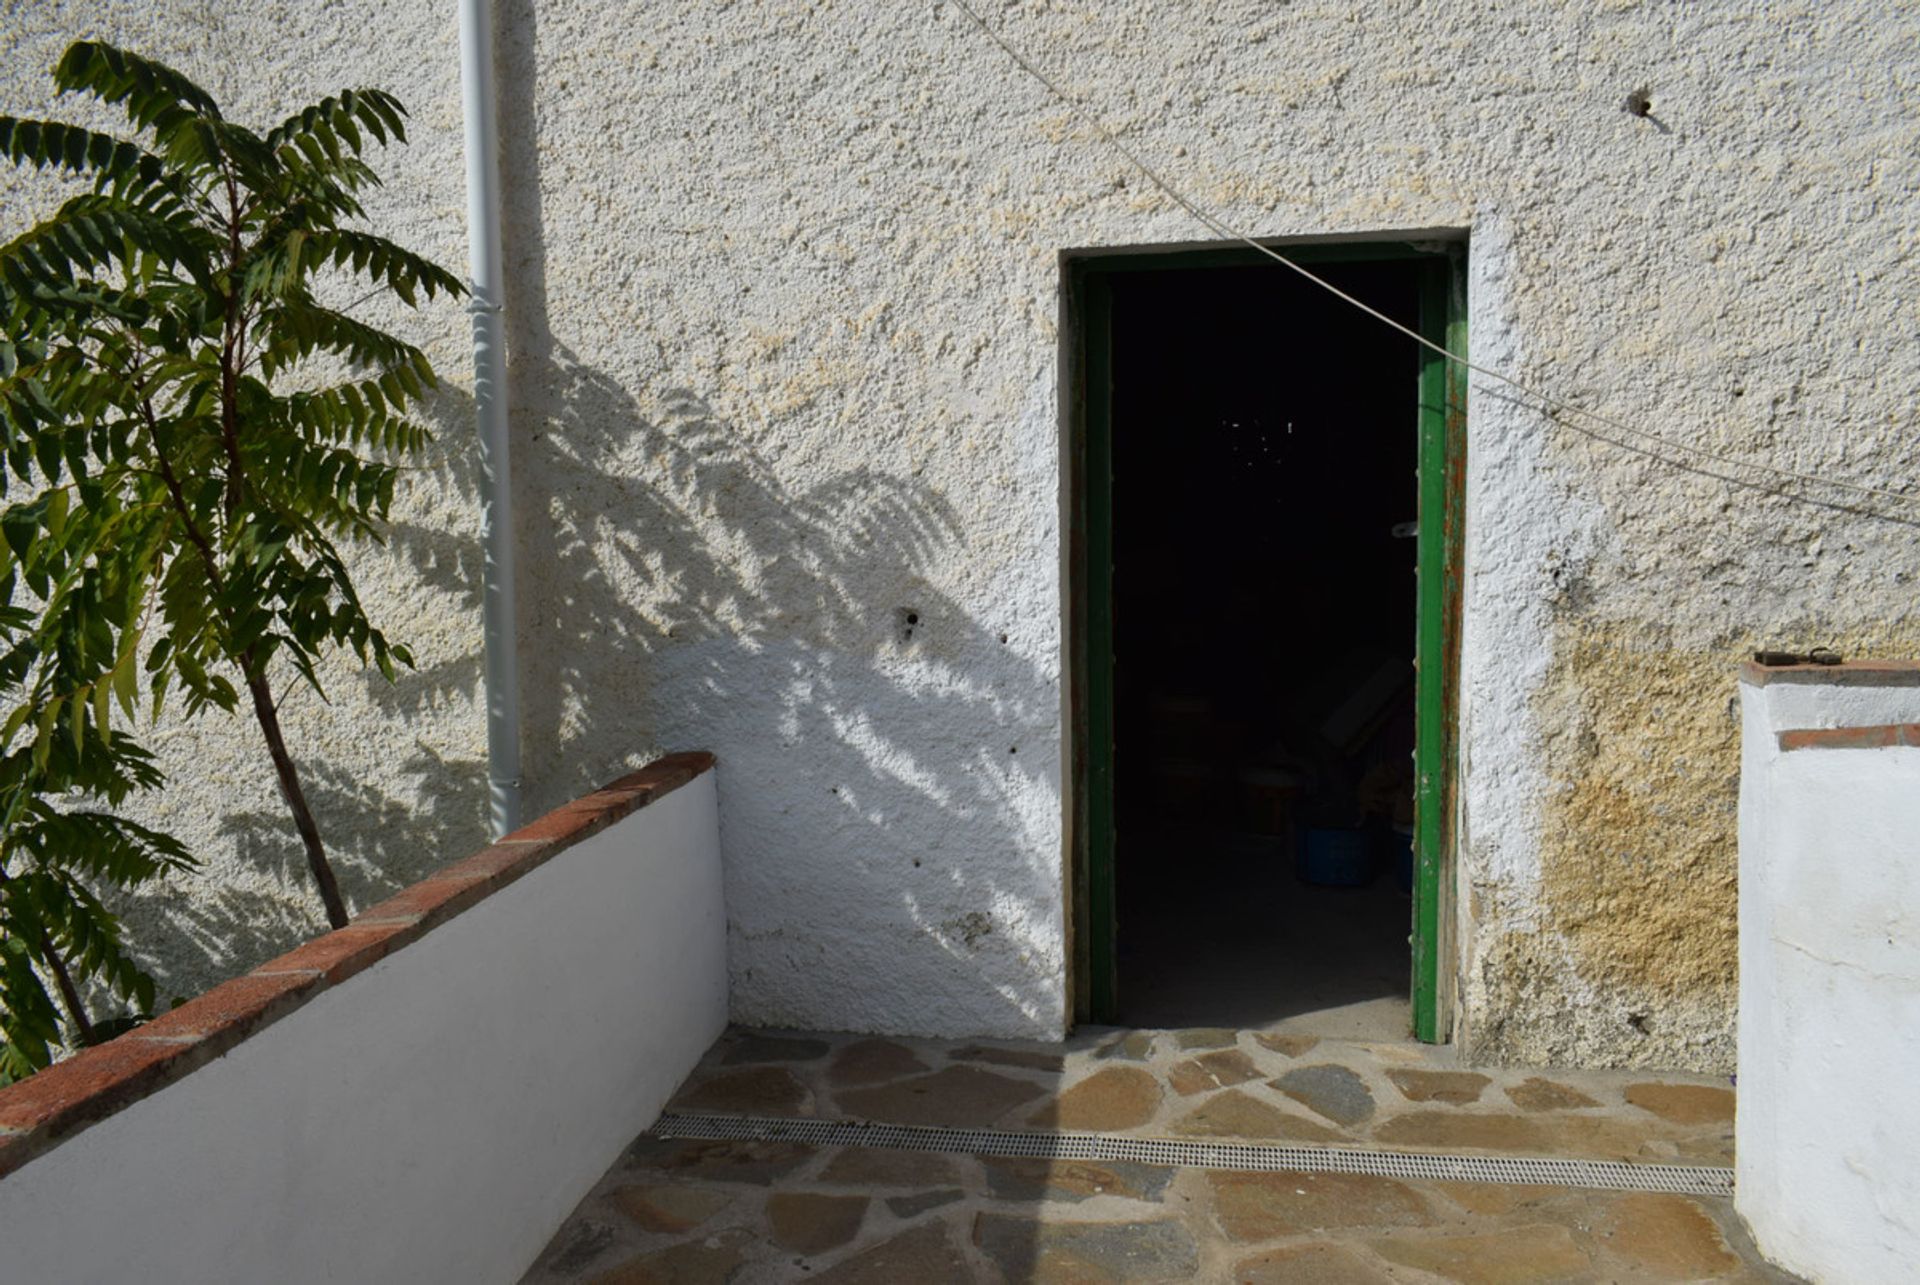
<point x="486" y="307"/>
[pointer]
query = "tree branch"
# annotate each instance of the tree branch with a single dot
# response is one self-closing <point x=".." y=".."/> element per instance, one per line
<point x="263" y="708"/>
<point x="69" y="993"/>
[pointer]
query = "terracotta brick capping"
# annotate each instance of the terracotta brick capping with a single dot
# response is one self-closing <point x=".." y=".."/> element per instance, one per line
<point x="38" y="1113"/>
<point x="1851" y="738"/>
<point x="1852" y="673"/>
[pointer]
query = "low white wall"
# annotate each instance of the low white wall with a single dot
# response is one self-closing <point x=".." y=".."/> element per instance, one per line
<point x="1828" y="1131"/>
<point x="433" y="1118"/>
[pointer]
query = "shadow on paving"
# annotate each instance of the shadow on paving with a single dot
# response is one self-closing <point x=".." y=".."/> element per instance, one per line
<point x="695" y="1211"/>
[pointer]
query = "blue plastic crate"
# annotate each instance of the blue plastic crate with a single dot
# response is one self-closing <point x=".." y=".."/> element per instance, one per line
<point x="1337" y="857"/>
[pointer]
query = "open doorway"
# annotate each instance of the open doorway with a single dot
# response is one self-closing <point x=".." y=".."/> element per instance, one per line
<point x="1258" y="850"/>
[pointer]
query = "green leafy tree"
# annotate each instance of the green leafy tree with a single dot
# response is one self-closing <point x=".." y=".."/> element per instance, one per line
<point x="196" y="432"/>
<point x="52" y="922"/>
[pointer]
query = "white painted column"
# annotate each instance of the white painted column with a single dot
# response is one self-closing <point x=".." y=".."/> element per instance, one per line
<point x="1828" y="1128"/>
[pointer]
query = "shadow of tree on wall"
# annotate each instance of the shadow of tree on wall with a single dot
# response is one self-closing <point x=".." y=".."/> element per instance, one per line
<point x="382" y="836"/>
<point x="677" y="592"/>
<point x="889" y="760"/>
<point x="383" y="829"/>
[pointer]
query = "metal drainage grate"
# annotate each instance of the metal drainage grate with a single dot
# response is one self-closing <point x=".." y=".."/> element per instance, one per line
<point x="1609" y="1175"/>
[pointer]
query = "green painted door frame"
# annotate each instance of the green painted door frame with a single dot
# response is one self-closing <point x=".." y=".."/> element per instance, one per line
<point x="1087" y="463"/>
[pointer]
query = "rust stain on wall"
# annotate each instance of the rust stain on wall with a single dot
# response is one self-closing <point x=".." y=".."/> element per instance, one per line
<point x="1636" y="911"/>
<point x="1638" y="860"/>
<point x="1632" y="925"/>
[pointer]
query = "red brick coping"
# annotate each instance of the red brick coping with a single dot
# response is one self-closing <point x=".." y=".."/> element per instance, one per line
<point x="40" y="1112"/>
<point x="1851" y="738"/>
<point x="1852" y="673"/>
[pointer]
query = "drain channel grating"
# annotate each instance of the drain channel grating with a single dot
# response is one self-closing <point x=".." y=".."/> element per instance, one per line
<point x="1609" y="1175"/>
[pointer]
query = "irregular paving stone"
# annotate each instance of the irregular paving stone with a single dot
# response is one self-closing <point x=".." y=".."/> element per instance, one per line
<point x="1334" y="1091"/>
<point x="1057" y="1267"/>
<point x="959" y="1096"/>
<point x="1234" y="1114"/>
<point x="1537" y="1094"/>
<point x="914" y="1206"/>
<point x="575" y="1248"/>
<point x="759" y="1163"/>
<point x="1134" y="1046"/>
<point x="1031" y="1059"/>
<point x="1289" y="1045"/>
<point x="1516" y="1256"/>
<point x="1207" y="1037"/>
<point x="1498" y="1198"/>
<point x="1601" y="1137"/>
<point x="1212" y="1071"/>
<point x="672" y="1208"/>
<point x="1669" y="1236"/>
<point x="1457" y="1087"/>
<point x="754" y="1047"/>
<point x="810" y="1223"/>
<point x="1683" y="1103"/>
<point x="1459" y="1129"/>
<point x="1031" y="1180"/>
<point x="1321" y="1264"/>
<point x="926" y="1253"/>
<point x="1118" y="1097"/>
<point x="866" y="1167"/>
<point x="1261" y="1206"/>
<point x="870" y="1061"/>
<point x="697" y="1262"/>
<point x="1398" y="1053"/>
<point x="761" y="1090"/>
<point x="1710" y="1149"/>
<point x="1129" y="1251"/>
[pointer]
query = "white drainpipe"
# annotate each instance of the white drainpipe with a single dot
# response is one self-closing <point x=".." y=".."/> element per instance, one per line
<point x="490" y="414"/>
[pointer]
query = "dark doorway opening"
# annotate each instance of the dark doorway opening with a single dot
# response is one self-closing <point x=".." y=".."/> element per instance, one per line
<point x="1264" y="443"/>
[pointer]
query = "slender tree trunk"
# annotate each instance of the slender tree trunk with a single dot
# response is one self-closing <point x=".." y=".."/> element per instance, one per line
<point x="296" y="798"/>
<point x="263" y="707"/>
<point x="63" y="982"/>
<point x="69" y="993"/>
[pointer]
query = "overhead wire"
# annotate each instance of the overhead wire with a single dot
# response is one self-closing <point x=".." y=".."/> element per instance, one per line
<point x="1559" y="407"/>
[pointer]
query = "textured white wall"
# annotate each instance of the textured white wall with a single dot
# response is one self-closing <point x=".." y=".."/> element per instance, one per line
<point x="396" y="774"/>
<point x="434" y="1118"/>
<point x="1828" y="1141"/>
<point x="784" y="353"/>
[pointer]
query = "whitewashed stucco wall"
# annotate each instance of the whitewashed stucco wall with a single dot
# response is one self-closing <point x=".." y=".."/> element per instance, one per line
<point x="783" y="317"/>
<point x="1828" y="1162"/>
<point x="433" y="1118"/>
<point x="396" y="775"/>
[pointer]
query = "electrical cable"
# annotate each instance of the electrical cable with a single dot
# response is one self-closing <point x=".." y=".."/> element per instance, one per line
<point x="1557" y="406"/>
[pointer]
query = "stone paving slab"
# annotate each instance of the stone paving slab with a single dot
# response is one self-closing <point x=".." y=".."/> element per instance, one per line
<point x="1221" y="1084"/>
<point x="746" y="1212"/>
<point x="1085" y="1225"/>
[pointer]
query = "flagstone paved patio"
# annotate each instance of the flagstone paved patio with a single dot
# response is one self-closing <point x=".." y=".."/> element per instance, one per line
<point x="699" y="1211"/>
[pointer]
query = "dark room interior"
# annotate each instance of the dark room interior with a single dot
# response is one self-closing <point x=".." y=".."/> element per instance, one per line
<point x="1264" y="497"/>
